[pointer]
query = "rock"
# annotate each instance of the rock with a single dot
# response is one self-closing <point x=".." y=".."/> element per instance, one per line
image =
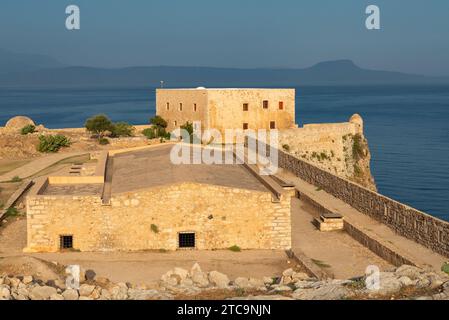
<point x="242" y="282"/>
<point x="326" y="292"/>
<point x="105" y="295"/>
<point x="102" y="281"/>
<point x="406" y="281"/>
<point x="299" y="276"/>
<point x="96" y="293"/>
<point x="89" y="275"/>
<point x="182" y="273"/>
<point x="143" y="294"/>
<point x="27" y="279"/>
<point x="56" y="297"/>
<point x="18" y="122"/>
<point x="195" y="268"/>
<point x="14" y="282"/>
<point x="267" y="280"/>
<point x="219" y="279"/>
<point x="288" y="273"/>
<point x="42" y="292"/>
<point x="303" y="284"/>
<point x="286" y="280"/>
<point x="256" y="283"/>
<point x="85" y="290"/>
<point x="70" y="294"/>
<point x="186" y="282"/>
<point x="85" y="298"/>
<point x="435" y="280"/>
<point x="119" y="292"/>
<point x="412" y="272"/>
<point x="199" y="278"/>
<point x="389" y="283"/>
<point x="281" y="288"/>
<point x="5" y="293"/>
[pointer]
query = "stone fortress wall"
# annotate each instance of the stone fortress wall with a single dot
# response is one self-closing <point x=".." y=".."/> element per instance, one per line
<point x="416" y="225"/>
<point x="151" y="219"/>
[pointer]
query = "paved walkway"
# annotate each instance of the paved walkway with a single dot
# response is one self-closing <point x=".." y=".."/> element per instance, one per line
<point x="37" y="165"/>
<point x="417" y="253"/>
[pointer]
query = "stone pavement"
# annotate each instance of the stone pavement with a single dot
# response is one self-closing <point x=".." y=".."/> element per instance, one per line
<point x="38" y="165"/>
<point x="418" y="254"/>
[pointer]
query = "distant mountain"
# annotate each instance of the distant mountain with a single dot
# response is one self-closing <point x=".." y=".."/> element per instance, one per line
<point x="340" y="72"/>
<point x="22" y="62"/>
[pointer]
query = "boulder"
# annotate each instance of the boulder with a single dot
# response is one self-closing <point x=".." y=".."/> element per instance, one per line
<point x="325" y="292"/>
<point x="219" y="279"/>
<point x="17" y="123"/>
<point x="119" y="292"/>
<point x="27" y="279"/>
<point x="56" y="297"/>
<point x="297" y="276"/>
<point x="70" y="294"/>
<point x="181" y="273"/>
<point x="5" y="293"/>
<point x="288" y="273"/>
<point x="42" y="292"/>
<point x="412" y="272"/>
<point x="242" y="282"/>
<point x="85" y="290"/>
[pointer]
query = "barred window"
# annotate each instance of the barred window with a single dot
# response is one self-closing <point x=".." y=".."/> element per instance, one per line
<point x="66" y="242"/>
<point x="186" y="240"/>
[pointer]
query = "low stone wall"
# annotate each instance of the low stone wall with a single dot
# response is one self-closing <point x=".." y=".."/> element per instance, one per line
<point x="152" y="218"/>
<point x="416" y="225"/>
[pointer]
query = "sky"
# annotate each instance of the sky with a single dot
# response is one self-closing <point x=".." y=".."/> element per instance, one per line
<point x="232" y="33"/>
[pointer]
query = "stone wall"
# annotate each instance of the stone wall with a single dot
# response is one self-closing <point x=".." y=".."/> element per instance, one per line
<point x="221" y="217"/>
<point x="406" y="221"/>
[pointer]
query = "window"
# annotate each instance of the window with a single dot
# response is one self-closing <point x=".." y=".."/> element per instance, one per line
<point x="245" y="107"/>
<point x="194" y="107"/>
<point x="180" y="107"/>
<point x="186" y="240"/>
<point x="272" y="125"/>
<point x="175" y="123"/>
<point x="245" y="126"/>
<point x="265" y="104"/>
<point x="281" y="105"/>
<point x="168" y="106"/>
<point x="66" y="242"/>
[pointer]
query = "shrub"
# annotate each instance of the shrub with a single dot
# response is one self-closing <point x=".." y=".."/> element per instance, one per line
<point x="52" y="143"/>
<point x="16" y="179"/>
<point x="98" y="125"/>
<point x="12" y="212"/>
<point x="358" y="149"/>
<point x="158" y="121"/>
<point x="122" y="129"/>
<point x="103" y="141"/>
<point x="235" y="248"/>
<point x="28" y="129"/>
<point x="154" y="228"/>
<point x="286" y="147"/>
<point x="445" y="267"/>
<point x="150" y="133"/>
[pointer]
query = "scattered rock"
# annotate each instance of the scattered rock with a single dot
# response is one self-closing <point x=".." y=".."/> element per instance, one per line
<point x="325" y="292"/>
<point x="70" y="294"/>
<point x="219" y="279"/>
<point x="86" y="290"/>
<point x="42" y="292"/>
<point x="5" y="293"/>
<point x="27" y="279"/>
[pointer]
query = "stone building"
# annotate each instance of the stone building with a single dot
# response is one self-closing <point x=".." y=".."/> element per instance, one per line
<point x="227" y="108"/>
<point x="139" y="200"/>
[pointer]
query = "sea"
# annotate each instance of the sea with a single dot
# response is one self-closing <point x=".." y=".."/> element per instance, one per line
<point x="407" y="127"/>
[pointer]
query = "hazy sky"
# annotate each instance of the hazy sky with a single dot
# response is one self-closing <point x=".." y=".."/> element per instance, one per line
<point x="232" y="33"/>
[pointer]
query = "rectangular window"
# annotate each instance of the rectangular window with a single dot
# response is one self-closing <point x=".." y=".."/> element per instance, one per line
<point x="194" y="107"/>
<point x="245" y="107"/>
<point x="186" y="240"/>
<point x="245" y="126"/>
<point x="281" y="105"/>
<point x="168" y="106"/>
<point x="175" y="123"/>
<point x="265" y="104"/>
<point x="272" y="125"/>
<point x="180" y="107"/>
<point x="66" y="242"/>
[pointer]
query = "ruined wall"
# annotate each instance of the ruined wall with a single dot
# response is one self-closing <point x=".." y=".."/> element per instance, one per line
<point x="221" y="217"/>
<point x="406" y="221"/>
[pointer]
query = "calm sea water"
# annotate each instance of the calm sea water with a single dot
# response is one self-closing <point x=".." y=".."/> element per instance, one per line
<point x="407" y="127"/>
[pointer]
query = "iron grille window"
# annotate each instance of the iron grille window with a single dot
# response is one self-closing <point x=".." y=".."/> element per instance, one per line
<point x="66" y="242"/>
<point x="187" y="240"/>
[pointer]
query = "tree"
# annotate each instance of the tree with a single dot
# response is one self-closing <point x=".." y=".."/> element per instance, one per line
<point x="159" y="122"/>
<point x="98" y="125"/>
<point x="122" y="129"/>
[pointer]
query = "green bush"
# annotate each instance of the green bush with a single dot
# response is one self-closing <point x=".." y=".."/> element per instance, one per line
<point x="103" y="141"/>
<point x="98" y="125"/>
<point x="158" y="121"/>
<point x="52" y="143"/>
<point x="358" y="148"/>
<point x="150" y="133"/>
<point x="12" y="212"/>
<point x="154" y="228"/>
<point x="28" y="129"/>
<point x="445" y="267"/>
<point x="235" y="248"/>
<point x="122" y="129"/>
<point x="16" y="179"/>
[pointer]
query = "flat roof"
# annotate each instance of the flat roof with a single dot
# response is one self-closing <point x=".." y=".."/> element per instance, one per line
<point x="152" y="167"/>
<point x="203" y="88"/>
